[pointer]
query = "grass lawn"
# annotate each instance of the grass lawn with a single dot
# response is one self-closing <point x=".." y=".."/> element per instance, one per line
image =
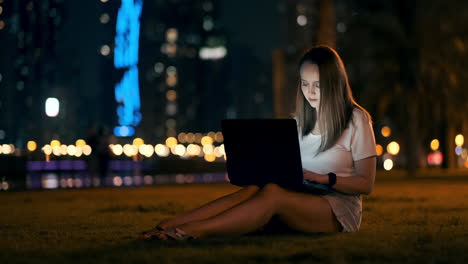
<point x="417" y="221"/>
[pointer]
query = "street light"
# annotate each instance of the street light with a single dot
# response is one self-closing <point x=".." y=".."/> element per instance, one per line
<point x="52" y="106"/>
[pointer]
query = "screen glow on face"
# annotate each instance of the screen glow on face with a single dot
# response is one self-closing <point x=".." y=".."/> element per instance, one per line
<point x="310" y="83"/>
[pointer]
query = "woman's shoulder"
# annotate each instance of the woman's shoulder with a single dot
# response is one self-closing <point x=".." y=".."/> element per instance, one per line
<point x="360" y="116"/>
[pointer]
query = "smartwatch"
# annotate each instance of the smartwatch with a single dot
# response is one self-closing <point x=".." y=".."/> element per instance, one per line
<point x="331" y="179"/>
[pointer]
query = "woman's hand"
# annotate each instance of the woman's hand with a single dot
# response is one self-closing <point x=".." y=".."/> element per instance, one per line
<point x="315" y="177"/>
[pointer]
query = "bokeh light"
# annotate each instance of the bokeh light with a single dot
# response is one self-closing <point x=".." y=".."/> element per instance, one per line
<point x="190" y="137"/>
<point x="55" y="143"/>
<point x="206" y="140"/>
<point x="71" y="150"/>
<point x="138" y="142"/>
<point x="171" y="142"/>
<point x="63" y="150"/>
<point x="208" y="149"/>
<point x="301" y="20"/>
<point x="217" y="152"/>
<point x="161" y="150"/>
<point x="393" y="148"/>
<point x="458" y="150"/>
<point x="219" y="137"/>
<point x="86" y="150"/>
<point x="180" y="150"/>
<point x="210" y="157"/>
<point x="388" y="164"/>
<point x="47" y="149"/>
<point x="435" y="158"/>
<point x="182" y="137"/>
<point x="56" y="151"/>
<point x="198" y="137"/>
<point x="31" y="145"/>
<point x="171" y="95"/>
<point x="117" y="181"/>
<point x="79" y="152"/>
<point x="117" y="149"/>
<point x="80" y="143"/>
<point x="52" y="106"/>
<point x="386" y="131"/>
<point x="128" y="150"/>
<point x="193" y="150"/>
<point x="379" y="149"/>
<point x="459" y="140"/>
<point x="105" y="50"/>
<point x="435" y="144"/>
<point x="104" y="18"/>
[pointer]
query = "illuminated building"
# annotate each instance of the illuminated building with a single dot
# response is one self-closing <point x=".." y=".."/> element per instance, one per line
<point x="181" y="72"/>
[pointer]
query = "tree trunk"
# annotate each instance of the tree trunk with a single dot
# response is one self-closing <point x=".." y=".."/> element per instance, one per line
<point x="327" y="23"/>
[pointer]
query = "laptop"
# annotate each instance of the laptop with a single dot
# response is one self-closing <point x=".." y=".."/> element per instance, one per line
<point x="261" y="151"/>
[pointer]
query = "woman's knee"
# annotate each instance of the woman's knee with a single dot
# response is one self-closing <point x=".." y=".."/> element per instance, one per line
<point x="271" y="189"/>
<point x="251" y="189"/>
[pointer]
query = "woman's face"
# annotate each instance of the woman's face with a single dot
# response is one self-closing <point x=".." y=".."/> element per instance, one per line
<point x="310" y="83"/>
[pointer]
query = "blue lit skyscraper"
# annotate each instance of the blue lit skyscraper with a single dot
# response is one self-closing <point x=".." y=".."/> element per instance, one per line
<point x="127" y="92"/>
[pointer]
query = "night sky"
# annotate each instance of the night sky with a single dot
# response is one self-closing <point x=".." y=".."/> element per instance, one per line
<point x="253" y="24"/>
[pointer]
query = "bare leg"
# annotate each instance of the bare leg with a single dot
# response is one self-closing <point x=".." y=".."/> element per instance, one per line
<point x="303" y="212"/>
<point x="212" y="208"/>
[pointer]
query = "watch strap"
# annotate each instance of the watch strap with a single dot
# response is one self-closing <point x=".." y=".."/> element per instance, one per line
<point x="331" y="179"/>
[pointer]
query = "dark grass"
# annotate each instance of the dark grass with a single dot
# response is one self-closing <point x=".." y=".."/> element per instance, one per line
<point x="417" y="221"/>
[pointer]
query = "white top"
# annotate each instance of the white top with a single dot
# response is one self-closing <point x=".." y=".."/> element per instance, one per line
<point x="357" y="142"/>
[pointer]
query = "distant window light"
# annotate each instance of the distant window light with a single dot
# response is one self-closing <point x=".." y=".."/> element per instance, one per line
<point x="341" y="27"/>
<point x="171" y="95"/>
<point x="208" y="23"/>
<point x="24" y="70"/>
<point x="301" y="9"/>
<point x="171" y="108"/>
<point x="104" y="18"/>
<point x="170" y="49"/>
<point x="158" y="67"/>
<point x="258" y="98"/>
<point x="1" y="10"/>
<point x="104" y="1"/>
<point x="206" y="53"/>
<point x="105" y="50"/>
<point x="171" y="70"/>
<point x="52" y="107"/>
<point x="191" y="53"/>
<point x="171" y="80"/>
<point x="20" y="86"/>
<point x="193" y="39"/>
<point x="302" y="20"/>
<point x="170" y="123"/>
<point x="2" y="24"/>
<point x="172" y="35"/>
<point x="30" y="6"/>
<point x="208" y="6"/>
<point x="53" y="12"/>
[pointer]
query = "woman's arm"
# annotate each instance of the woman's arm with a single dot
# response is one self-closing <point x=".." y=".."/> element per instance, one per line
<point x="362" y="182"/>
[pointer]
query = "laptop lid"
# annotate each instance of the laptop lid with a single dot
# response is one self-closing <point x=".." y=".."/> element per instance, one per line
<point x="260" y="151"/>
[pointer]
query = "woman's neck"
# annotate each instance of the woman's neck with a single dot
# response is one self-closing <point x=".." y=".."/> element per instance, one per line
<point x="316" y="130"/>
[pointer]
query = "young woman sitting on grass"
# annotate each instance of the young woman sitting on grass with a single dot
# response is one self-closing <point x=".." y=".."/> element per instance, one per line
<point x="337" y="148"/>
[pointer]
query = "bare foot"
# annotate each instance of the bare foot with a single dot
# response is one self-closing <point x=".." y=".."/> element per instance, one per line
<point x="153" y="234"/>
<point x="165" y="223"/>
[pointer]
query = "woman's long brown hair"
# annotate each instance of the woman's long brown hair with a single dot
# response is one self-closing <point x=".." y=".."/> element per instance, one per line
<point x="336" y="99"/>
